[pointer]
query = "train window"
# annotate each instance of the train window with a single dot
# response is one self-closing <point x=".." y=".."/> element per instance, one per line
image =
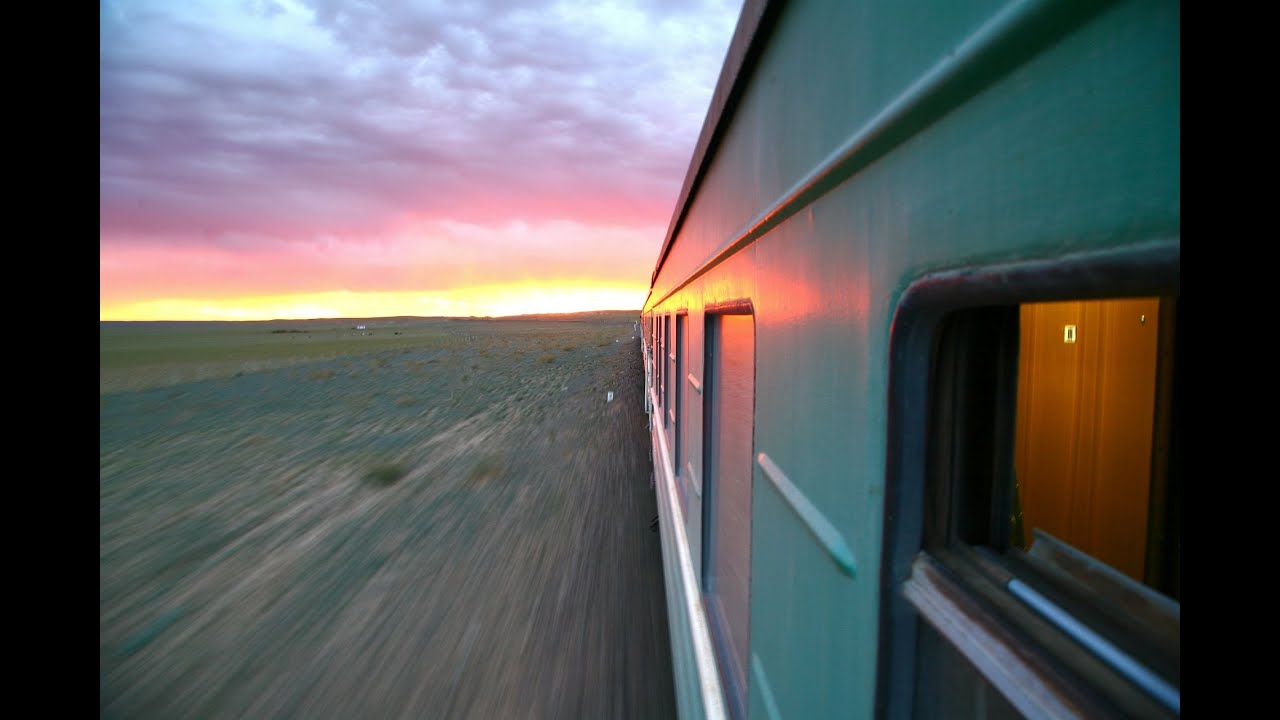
<point x="728" y="426"/>
<point x="657" y="364"/>
<point x="664" y="373"/>
<point x="1051" y="520"/>
<point x="674" y="380"/>
<point x="678" y="383"/>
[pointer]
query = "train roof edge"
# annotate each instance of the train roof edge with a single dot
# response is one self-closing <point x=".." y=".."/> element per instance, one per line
<point x="755" y="24"/>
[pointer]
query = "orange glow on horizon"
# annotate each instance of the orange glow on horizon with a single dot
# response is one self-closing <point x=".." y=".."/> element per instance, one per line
<point x="491" y="300"/>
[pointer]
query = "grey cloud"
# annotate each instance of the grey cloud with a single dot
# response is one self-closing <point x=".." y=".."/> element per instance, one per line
<point x="411" y="107"/>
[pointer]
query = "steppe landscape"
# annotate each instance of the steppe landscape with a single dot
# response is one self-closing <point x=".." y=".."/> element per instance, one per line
<point x="402" y="517"/>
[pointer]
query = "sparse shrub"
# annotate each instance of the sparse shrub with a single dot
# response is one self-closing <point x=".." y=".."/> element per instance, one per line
<point x="386" y="474"/>
<point x="547" y="358"/>
<point x="324" y="374"/>
<point x="486" y="469"/>
<point x="568" y="348"/>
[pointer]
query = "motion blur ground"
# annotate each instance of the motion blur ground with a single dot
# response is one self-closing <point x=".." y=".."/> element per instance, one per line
<point x="456" y="530"/>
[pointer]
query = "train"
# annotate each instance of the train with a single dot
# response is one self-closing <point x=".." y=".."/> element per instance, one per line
<point x="911" y="365"/>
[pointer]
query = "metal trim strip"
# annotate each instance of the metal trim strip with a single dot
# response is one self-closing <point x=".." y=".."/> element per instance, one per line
<point x="673" y="518"/>
<point x="1131" y="669"/>
<point x="819" y="526"/>
<point x="766" y="692"/>
<point x="929" y="97"/>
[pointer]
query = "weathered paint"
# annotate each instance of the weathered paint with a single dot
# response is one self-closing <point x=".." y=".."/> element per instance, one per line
<point x="864" y="146"/>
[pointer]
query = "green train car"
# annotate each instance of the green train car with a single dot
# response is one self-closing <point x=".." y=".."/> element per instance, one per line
<point x="911" y="352"/>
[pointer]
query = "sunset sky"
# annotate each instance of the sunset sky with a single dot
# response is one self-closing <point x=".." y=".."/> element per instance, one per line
<point x="267" y="159"/>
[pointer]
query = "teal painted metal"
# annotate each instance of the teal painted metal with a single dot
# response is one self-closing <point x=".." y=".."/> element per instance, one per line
<point x="761" y="685"/>
<point x="698" y="692"/>
<point x="823" y="531"/>
<point x="853" y="149"/>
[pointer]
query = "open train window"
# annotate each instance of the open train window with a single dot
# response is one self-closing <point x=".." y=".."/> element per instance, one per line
<point x="1033" y="547"/>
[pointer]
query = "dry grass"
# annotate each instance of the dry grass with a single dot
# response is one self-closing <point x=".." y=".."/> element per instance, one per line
<point x="487" y="468"/>
<point x="384" y="543"/>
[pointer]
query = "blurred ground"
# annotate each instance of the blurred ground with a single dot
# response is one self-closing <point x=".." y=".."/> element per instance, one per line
<point x="444" y="532"/>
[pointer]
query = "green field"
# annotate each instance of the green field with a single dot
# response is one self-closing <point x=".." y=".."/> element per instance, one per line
<point x="423" y="517"/>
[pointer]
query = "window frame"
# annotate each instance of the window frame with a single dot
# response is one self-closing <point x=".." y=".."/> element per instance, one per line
<point x="737" y="680"/>
<point x="664" y="404"/>
<point x="680" y="395"/>
<point x="920" y="553"/>
<point x="661" y="369"/>
<point x="673" y="380"/>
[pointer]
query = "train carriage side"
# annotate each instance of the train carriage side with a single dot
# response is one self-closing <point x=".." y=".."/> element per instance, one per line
<point x="910" y="361"/>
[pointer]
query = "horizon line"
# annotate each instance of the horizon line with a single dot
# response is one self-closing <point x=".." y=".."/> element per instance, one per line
<point x="637" y="311"/>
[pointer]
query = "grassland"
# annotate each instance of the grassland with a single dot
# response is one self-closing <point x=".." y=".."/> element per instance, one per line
<point x="420" y="517"/>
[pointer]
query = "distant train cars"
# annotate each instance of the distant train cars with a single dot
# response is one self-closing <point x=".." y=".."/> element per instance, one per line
<point x="912" y="366"/>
